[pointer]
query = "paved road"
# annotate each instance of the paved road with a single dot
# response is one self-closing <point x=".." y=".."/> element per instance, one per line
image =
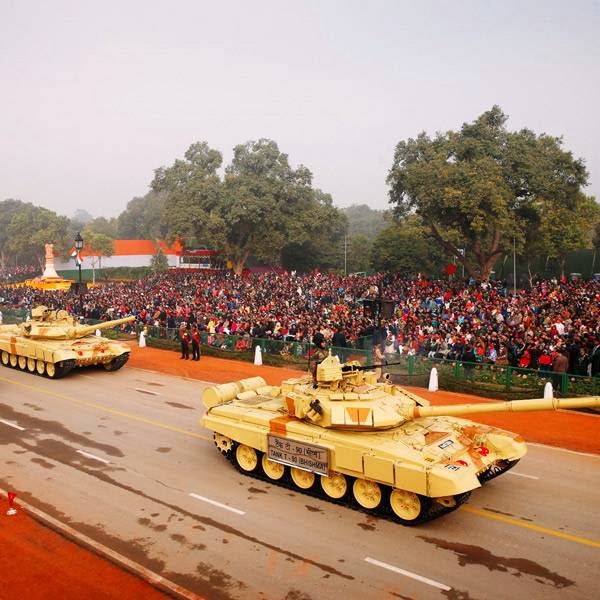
<point x="121" y="458"/>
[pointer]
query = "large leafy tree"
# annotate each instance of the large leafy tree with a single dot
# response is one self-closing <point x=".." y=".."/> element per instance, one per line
<point x="564" y="229"/>
<point x="192" y="192"/>
<point x="262" y="207"/>
<point x="364" y="220"/>
<point x="405" y="246"/>
<point x="99" y="244"/>
<point x="27" y="228"/>
<point x="316" y="236"/>
<point x="143" y="219"/>
<point x="265" y="202"/>
<point x="8" y="209"/>
<point x="484" y="182"/>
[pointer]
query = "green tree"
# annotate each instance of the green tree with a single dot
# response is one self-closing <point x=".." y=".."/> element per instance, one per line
<point x="483" y="182"/>
<point x="8" y="209"/>
<point x="364" y="221"/>
<point x="144" y="218"/>
<point x="263" y="207"/>
<point x="29" y="228"/>
<point x="107" y="227"/>
<point x="192" y="194"/>
<point x="564" y="229"/>
<point x="315" y="237"/>
<point x="359" y="249"/>
<point x="159" y="262"/>
<point x="406" y="247"/>
<point x="99" y="244"/>
<point x="265" y="202"/>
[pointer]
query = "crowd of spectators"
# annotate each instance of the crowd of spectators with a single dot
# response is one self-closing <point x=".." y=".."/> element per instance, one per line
<point x="535" y="328"/>
<point x="10" y="274"/>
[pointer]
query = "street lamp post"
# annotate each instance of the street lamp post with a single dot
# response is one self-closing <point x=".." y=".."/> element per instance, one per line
<point x="79" y="247"/>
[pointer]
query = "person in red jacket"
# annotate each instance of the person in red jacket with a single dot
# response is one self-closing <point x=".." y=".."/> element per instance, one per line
<point x="184" y="338"/>
<point x="195" y="344"/>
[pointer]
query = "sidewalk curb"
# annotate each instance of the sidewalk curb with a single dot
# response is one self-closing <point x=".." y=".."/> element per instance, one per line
<point x="164" y="585"/>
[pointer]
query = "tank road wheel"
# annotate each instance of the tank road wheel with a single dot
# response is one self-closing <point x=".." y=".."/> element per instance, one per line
<point x="303" y="479"/>
<point x="22" y="360"/>
<point x="51" y="370"/>
<point x="335" y="487"/>
<point x="40" y="367"/>
<point x="13" y="360"/>
<point x="405" y="505"/>
<point x="367" y="493"/>
<point x="5" y="358"/>
<point x="31" y="365"/>
<point x="273" y="470"/>
<point x="246" y="458"/>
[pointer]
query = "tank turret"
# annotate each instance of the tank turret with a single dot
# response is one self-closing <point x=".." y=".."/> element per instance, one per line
<point x="351" y="438"/>
<point x="59" y="325"/>
<point x="53" y="342"/>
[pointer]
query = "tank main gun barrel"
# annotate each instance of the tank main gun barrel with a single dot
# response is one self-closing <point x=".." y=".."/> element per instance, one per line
<point x="88" y="329"/>
<point x="509" y="406"/>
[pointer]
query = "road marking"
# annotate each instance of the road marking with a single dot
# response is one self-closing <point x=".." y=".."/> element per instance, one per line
<point x="532" y="526"/>
<point x="94" y="457"/>
<point x="437" y="584"/>
<point x="146" y="391"/>
<point x="237" y="511"/>
<point x="12" y="425"/>
<point x="522" y="475"/>
<point x="111" y="411"/>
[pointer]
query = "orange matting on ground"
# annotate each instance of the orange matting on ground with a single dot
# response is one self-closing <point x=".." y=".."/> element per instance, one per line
<point x="38" y="563"/>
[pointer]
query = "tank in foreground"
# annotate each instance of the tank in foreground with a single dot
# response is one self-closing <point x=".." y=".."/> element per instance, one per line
<point x="368" y="444"/>
<point x="53" y="343"/>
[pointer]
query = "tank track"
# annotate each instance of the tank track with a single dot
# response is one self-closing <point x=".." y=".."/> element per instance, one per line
<point x="496" y="469"/>
<point x="432" y="510"/>
<point x="117" y="362"/>
<point x="60" y="369"/>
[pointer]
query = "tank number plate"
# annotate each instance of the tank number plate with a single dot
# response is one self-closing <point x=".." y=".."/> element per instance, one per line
<point x="298" y="454"/>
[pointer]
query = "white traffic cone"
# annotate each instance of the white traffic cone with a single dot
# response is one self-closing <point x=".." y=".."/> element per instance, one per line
<point x="433" y="381"/>
<point x="257" y="356"/>
<point x="548" y="392"/>
<point x="142" y="342"/>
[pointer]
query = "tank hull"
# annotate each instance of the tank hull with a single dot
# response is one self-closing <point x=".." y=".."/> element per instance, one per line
<point x="433" y="461"/>
<point x="346" y="436"/>
<point x="55" y="358"/>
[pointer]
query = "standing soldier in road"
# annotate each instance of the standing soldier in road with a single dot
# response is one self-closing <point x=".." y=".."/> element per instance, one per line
<point x="184" y="337"/>
<point x="195" y="343"/>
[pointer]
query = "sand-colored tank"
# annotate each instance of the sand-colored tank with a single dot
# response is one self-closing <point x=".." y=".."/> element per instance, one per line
<point x="372" y="445"/>
<point x="53" y="343"/>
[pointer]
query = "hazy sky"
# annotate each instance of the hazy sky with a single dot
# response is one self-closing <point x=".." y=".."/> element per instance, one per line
<point x="96" y="95"/>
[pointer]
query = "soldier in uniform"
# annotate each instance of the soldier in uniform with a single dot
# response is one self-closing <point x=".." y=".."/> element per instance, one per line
<point x="195" y="343"/>
<point x="184" y="337"/>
